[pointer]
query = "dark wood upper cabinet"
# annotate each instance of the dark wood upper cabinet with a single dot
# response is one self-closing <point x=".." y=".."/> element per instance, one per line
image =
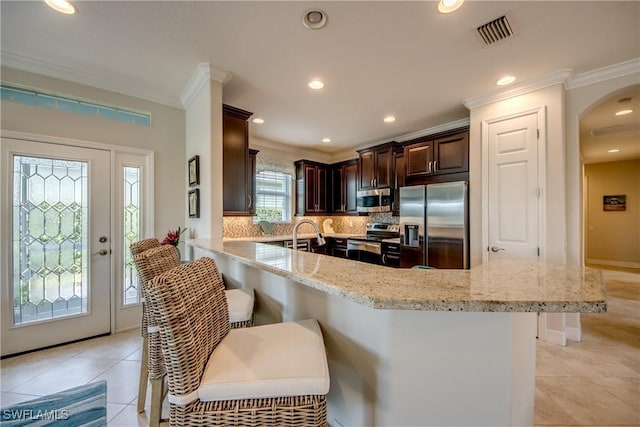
<point x="437" y="155"/>
<point x="344" y="178"/>
<point x="400" y="174"/>
<point x="376" y="166"/>
<point x="311" y="187"/>
<point x="237" y="181"/>
<point x="251" y="180"/>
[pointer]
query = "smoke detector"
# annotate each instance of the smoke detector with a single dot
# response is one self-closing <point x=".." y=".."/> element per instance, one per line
<point x="314" y="19"/>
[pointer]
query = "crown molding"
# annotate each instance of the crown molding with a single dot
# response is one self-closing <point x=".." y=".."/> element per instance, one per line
<point x="258" y="143"/>
<point x="557" y="77"/>
<point x="605" y="73"/>
<point x="433" y="130"/>
<point x="203" y="73"/>
<point x="62" y="72"/>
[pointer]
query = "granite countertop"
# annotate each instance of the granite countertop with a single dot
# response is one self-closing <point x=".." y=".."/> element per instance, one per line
<point x="498" y="286"/>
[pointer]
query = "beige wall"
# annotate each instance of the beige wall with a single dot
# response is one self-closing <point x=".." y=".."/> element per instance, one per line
<point x="613" y="236"/>
<point x="165" y="137"/>
<point x="553" y="99"/>
<point x="204" y="138"/>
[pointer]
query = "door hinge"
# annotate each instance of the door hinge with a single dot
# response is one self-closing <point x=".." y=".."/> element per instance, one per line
<point x="538" y="251"/>
<point x="538" y="133"/>
<point x="538" y="192"/>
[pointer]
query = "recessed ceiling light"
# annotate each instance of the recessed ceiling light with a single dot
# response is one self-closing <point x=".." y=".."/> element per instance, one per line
<point x="316" y="84"/>
<point x="389" y="119"/>
<point x="327" y="140"/>
<point x="314" y="19"/>
<point x="62" y="6"/>
<point x="624" y="112"/>
<point x="448" y="6"/>
<point x="258" y="121"/>
<point x="505" y="80"/>
<point x="614" y="150"/>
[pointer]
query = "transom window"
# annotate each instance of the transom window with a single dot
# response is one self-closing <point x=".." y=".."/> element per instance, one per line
<point x="273" y="196"/>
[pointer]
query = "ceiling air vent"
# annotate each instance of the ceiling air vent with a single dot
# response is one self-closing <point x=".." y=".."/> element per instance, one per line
<point x="496" y="30"/>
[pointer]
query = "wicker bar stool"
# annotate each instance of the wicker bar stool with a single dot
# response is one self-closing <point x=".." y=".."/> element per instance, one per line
<point x="266" y="375"/>
<point x="137" y="248"/>
<point x="149" y="264"/>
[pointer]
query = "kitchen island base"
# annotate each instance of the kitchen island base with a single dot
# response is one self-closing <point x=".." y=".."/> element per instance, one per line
<point x="406" y="367"/>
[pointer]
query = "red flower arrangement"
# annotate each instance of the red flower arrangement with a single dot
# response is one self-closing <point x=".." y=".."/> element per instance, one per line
<point x="173" y="237"/>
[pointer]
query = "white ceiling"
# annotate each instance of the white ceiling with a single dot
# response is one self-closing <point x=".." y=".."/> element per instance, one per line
<point x="377" y="58"/>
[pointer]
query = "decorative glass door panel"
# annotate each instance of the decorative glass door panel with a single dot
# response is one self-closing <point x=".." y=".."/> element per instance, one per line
<point x="50" y="257"/>
<point x="58" y="263"/>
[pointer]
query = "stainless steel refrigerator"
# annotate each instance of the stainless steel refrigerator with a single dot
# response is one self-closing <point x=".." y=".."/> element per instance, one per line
<point x="434" y="225"/>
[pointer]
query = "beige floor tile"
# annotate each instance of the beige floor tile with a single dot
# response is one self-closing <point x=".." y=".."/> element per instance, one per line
<point x="548" y="412"/>
<point x="129" y="417"/>
<point x="8" y="399"/>
<point x="72" y="372"/>
<point x="113" y="409"/>
<point x="122" y="381"/>
<point x="587" y="402"/>
<point x="136" y="355"/>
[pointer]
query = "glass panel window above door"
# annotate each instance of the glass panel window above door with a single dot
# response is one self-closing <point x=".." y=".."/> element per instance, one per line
<point x="131" y="230"/>
<point x="49" y="221"/>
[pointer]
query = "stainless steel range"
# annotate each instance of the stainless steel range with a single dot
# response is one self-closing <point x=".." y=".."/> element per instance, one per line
<point x="368" y="248"/>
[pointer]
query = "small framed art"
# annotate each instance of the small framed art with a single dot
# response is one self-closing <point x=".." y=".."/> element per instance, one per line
<point x="194" y="171"/>
<point x="194" y="203"/>
<point x="614" y="203"/>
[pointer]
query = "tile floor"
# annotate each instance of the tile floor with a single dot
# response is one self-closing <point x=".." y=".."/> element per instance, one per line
<point x="592" y="383"/>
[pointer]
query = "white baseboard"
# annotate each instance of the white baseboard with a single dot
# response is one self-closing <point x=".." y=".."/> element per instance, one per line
<point x="627" y="264"/>
<point x="554" y="337"/>
<point x="573" y="333"/>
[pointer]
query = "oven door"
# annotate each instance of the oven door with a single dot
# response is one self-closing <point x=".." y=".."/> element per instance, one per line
<point x="365" y="251"/>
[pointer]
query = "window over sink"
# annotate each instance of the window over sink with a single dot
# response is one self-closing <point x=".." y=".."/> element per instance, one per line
<point x="273" y="196"/>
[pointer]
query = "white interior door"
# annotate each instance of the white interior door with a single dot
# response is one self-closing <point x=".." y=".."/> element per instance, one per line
<point x="513" y="188"/>
<point x="56" y="255"/>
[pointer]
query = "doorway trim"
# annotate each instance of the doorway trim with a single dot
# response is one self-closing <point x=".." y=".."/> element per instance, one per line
<point x="542" y="176"/>
<point x="148" y="200"/>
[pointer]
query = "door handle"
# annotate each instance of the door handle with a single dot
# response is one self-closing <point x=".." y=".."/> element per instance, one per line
<point x="249" y="196"/>
<point x="435" y="166"/>
<point x="384" y="258"/>
<point x="496" y="249"/>
<point x="102" y="252"/>
<point x="429" y="167"/>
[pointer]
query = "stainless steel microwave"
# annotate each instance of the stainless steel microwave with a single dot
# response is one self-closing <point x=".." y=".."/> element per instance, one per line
<point x="374" y="200"/>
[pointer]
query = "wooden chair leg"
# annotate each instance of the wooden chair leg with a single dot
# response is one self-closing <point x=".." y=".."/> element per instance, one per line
<point x="144" y="374"/>
<point x="157" y="386"/>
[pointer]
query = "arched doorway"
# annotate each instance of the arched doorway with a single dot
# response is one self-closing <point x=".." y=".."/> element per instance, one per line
<point x="610" y="155"/>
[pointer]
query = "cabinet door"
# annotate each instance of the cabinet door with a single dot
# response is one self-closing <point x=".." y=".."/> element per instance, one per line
<point x="367" y="165"/>
<point x="251" y="182"/>
<point x="452" y="154"/>
<point x="418" y="159"/>
<point x="321" y="190"/>
<point x="399" y="182"/>
<point x="310" y="185"/>
<point x="234" y="153"/>
<point x="383" y="168"/>
<point x="350" y="179"/>
<point x="337" y="187"/>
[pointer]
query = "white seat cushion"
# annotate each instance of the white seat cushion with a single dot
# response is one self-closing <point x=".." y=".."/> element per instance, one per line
<point x="283" y="359"/>
<point x="240" y="305"/>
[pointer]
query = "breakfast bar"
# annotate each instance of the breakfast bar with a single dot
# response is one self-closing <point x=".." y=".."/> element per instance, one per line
<point x="414" y="347"/>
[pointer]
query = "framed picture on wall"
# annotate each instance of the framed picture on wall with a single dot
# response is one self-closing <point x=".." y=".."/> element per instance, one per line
<point x="615" y="203"/>
<point x="194" y="171"/>
<point x="194" y="203"/>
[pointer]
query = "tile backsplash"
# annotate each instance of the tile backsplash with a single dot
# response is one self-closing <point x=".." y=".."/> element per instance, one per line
<point x="243" y="226"/>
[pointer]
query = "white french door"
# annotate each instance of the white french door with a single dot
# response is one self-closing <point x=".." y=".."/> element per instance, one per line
<point x="514" y="188"/>
<point x="56" y="244"/>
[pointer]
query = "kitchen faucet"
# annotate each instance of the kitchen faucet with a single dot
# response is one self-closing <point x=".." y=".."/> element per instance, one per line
<point x="321" y="241"/>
